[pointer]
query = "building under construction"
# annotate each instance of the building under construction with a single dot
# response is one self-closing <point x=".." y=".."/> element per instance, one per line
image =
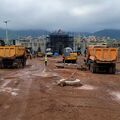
<point x="57" y="41"/>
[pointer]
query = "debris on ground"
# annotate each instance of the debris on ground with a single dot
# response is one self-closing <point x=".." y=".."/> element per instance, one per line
<point x="66" y="65"/>
<point x="82" y="68"/>
<point x="10" y="90"/>
<point x="87" y="87"/>
<point x="66" y="82"/>
<point x="115" y="95"/>
<point x="16" y="82"/>
<point x="60" y="65"/>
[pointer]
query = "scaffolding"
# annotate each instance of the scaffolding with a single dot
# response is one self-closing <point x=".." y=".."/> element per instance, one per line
<point x="58" y="41"/>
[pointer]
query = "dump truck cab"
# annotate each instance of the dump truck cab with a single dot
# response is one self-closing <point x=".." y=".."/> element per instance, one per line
<point x="101" y="57"/>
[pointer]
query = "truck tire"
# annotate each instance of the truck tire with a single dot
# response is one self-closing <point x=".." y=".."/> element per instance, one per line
<point x="1" y="65"/>
<point x="23" y="63"/>
<point x="112" y="69"/>
<point x="92" y="68"/>
<point x="88" y="62"/>
<point x="19" y="63"/>
<point x="74" y="61"/>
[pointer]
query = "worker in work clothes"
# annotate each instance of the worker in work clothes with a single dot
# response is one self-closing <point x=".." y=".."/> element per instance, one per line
<point x="45" y="60"/>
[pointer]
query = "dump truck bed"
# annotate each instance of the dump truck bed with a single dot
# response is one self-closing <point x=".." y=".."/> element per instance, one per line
<point x="103" y="54"/>
<point x="11" y="51"/>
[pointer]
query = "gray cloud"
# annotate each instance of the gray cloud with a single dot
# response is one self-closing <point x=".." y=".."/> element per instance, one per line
<point x="77" y="15"/>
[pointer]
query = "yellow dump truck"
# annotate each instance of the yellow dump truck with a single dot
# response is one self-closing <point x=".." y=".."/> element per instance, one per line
<point x="69" y="55"/>
<point x="12" y="55"/>
<point x="101" y="58"/>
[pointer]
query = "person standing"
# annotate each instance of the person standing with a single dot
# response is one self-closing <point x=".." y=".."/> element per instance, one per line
<point x="45" y="60"/>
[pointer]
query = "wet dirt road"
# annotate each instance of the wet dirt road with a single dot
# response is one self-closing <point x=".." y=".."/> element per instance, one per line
<point x="15" y="85"/>
<point x="32" y="94"/>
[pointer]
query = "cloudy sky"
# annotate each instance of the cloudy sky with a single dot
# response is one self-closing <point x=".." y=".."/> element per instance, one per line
<point x="69" y="15"/>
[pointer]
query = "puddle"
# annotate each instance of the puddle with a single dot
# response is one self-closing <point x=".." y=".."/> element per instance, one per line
<point x="87" y="87"/>
<point x="45" y="74"/>
<point x="115" y="95"/>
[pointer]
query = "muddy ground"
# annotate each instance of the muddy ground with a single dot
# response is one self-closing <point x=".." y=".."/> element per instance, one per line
<point x="32" y="93"/>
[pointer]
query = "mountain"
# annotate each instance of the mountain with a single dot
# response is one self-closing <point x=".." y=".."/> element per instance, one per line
<point x="80" y="33"/>
<point x="112" y="33"/>
<point x="13" y="34"/>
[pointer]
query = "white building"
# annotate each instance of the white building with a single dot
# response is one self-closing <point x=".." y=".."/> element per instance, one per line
<point x="33" y="43"/>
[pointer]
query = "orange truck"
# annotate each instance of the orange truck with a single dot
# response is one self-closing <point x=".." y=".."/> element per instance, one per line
<point x="12" y="55"/>
<point x="101" y="58"/>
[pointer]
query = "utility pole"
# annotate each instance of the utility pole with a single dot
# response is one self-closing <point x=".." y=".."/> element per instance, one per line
<point x="6" y="22"/>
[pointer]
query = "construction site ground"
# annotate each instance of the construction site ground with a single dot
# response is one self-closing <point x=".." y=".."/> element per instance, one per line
<point x="32" y="93"/>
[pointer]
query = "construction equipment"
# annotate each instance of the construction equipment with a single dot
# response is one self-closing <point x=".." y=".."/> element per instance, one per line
<point x="12" y="55"/>
<point x="101" y="58"/>
<point x="49" y="52"/>
<point x="40" y="54"/>
<point x="69" y="55"/>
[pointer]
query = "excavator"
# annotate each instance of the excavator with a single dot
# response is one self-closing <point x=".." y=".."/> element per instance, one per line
<point x="69" y="55"/>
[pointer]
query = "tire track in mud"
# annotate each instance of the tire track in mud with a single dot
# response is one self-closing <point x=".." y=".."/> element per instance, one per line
<point x="26" y="94"/>
<point x="18" y="103"/>
<point x="26" y="75"/>
<point x="31" y="74"/>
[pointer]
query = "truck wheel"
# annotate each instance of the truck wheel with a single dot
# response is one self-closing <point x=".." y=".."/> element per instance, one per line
<point x="87" y="62"/>
<point x="1" y="64"/>
<point x="74" y="61"/>
<point x="23" y="63"/>
<point x="19" y="63"/>
<point x="112" y="69"/>
<point x="92" y="68"/>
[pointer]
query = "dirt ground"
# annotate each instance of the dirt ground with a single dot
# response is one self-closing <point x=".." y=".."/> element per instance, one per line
<point x="32" y="93"/>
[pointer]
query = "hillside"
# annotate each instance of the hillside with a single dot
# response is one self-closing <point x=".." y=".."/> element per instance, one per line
<point x="13" y="34"/>
<point x="112" y="33"/>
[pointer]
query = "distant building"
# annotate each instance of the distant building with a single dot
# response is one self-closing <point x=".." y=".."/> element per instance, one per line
<point x="77" y="42"/>
<point x="57" y="41"/>
<point x="33" y="43"/>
